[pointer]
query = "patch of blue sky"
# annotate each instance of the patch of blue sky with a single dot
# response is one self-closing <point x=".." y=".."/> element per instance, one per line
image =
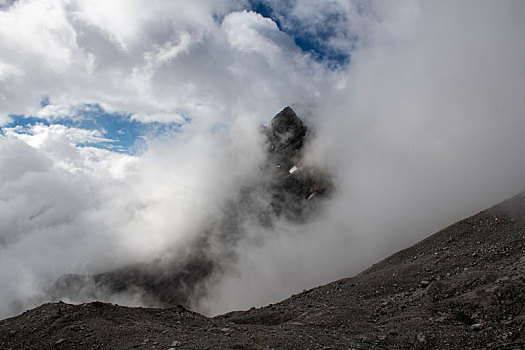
<point x="126" y="134"/>
<point x="313" y="42"/>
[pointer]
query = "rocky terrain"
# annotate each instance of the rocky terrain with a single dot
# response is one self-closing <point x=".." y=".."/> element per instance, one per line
<point x="461" y="288"/>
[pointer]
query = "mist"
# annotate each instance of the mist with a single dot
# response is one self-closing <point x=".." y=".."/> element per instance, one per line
<point x="420" y="127"/>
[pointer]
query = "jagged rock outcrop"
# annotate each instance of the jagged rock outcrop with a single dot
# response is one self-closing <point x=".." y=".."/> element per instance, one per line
<point x="286" y="136"/>
<point x="284" y="190"/>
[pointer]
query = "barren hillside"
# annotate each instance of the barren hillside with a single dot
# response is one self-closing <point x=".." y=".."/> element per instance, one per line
<point x="461" y="288"/>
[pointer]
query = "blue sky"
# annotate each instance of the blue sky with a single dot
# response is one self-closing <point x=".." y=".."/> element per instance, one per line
<point x="124" y="133"/>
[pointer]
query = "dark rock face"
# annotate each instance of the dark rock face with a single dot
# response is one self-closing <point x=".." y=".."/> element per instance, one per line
<point x="292" y="183"/>
<point x="286" y="136"/>
<point x="156" y="283"/>
<point x="284" y="190"/>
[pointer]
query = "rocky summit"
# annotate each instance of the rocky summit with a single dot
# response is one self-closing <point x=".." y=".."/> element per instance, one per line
<point x="461" y="288"/>
<point x="283" y="190"/>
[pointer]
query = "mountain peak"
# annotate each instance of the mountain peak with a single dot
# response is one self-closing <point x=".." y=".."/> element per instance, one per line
<point x="286" y="133"/>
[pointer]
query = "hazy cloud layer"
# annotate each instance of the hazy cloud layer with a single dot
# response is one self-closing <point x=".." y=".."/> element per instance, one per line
<point x="423" y="125"/>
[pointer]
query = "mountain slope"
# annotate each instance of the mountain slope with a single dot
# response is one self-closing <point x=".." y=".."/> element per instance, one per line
<point x="462" y="287"/>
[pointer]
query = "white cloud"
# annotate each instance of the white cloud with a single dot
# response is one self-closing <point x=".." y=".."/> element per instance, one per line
<point x="67" y="209"/>
<point x="164" y="59"/>
<point x="48" y="203"/>
<point x="250" y="32"/>
<point x="41" y="136"/>
<point x="53" y="112"/>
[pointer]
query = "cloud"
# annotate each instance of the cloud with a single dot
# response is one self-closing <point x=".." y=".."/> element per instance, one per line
<point x="248" y="32"/>
<point x="424" y="130"/>
<point x="421" y="126"/>
<point x="55" y="136"/>
<point x="45" y="208"/>
<point x="164" y="60"/>
<point x="52" y="112"/>
<point x="69" y="209"/>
